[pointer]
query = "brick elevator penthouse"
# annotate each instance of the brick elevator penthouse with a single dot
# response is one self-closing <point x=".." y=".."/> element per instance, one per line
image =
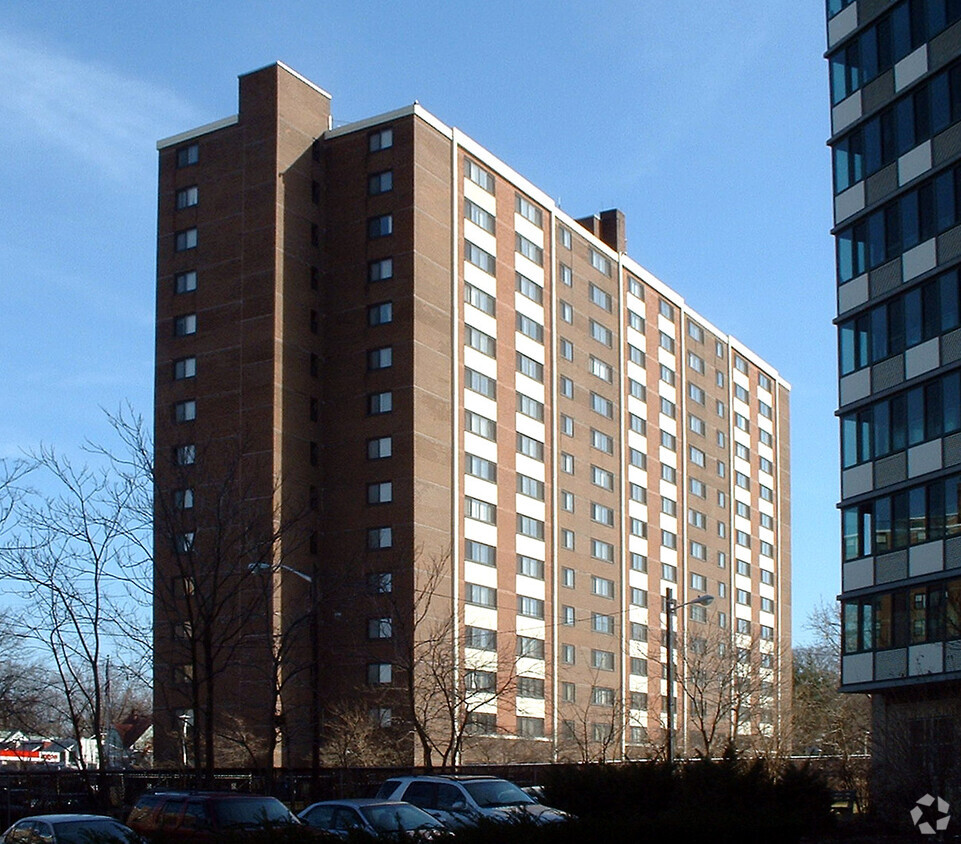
<point x="400" y="392"/>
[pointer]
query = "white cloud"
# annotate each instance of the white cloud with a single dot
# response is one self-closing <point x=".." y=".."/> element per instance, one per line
<point x="87" y="109"/>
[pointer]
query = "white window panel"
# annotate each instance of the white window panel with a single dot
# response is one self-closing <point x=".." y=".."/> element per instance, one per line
<point x="766" y="535"/>
<point x="530" y="427"/>
<point x="668" y="392"/>
<point x="739" y="377"/>
<point x="525" y="227"/>
<point x="764" y="422"/>
<point x="668" y="555"/>
<point x="530" y="387"/>
<point x="476" y="194"/>
<point x="528" y="667"/>
<point x="666" y="325"/>
<point x="480" y="320"/>
<point x="531" y="587"/>
<point x="637" y="406"/>
<point x="765" y="451"/>
<point x="525" y="306"/>
<point x="530" y="467"/>
<point x="484" y="239"/>
<point x="525" y="345"/>
<point x="527" y="267"/>
<point x="742" y="611"/>
<point x="742" y="437"/>
<point x="740" y="523"/>
<point x="767" y="590"/>
<point x="669" y="457"/>
<point x="741" y="465"/>
<point x="480" y="362"/>
<point x="481" y="447"/>
<point x="529" y="546"/>
<point x="531" y="507"/>
<point x="480" y="660"/>
<point x="480" y="574"/>
<point x="480" y="489"/>
<point x="742" y="581"/>
<point x="480" y="616"/>
<point x="637" y="544"/>
<point x="528" y="707"/>
<point x="477" y="277"/>
<point x="480" y="404"/>
<point x="482" y="533"/>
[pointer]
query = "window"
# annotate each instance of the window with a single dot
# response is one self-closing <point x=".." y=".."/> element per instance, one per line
<point x="530" y="687"/>
<point x="568" y="618"/>
<point x="185" y="325"/>
<point x="380" y="493"/>
<point x="478" y="216"/>
<point x="600" y="369"/>
<point x="740" y="364"/>
<point x="530" y="567"/>
<point x="604" y="660"/>
<point x="698" y="458"/>
<point x="528" y="249"/>
<point x="528" y="210"/>
<point x="481" y="723"/>
<point x="637" y="458"/>
<point x="568" y="692"/>
<point x="478" y="467"/>
<point x="530" y="607"/>
<point x="479" y="552"/>
<point x="478" y="175"/>
<point x="479" y="299"/>
<point x="742" y="480"/>
<point x="601" y="623"/>
<point x="479" y="258"/>
<point x="530" y="447"/>
<point x="480" y="638"/>
<point x="668" y="473"/>
<point x="695" y="393"/>
<point x="767" y="577"/>
<point x="602" y="478"/>
<point x="666" y="342"/>
<point x="766" y="493"/>
<point x="602" y="551"/>
<point x="667" y="375"/>
<point x="639" y="666"/>
<point x="380" y="402"/>
<point x="184" y="455"/>
<point x="602" y="696"/>
<point x="767" y="605"/>
<point x="567" y="349"/>
<point x="482" y="511"/>
<point x="696" y="518"/>
<point x="529" y="526"/>
<point x="601" y="333"/>
<point x="529" y="289"/>
<point x="744" y="568"/>
<point x="668" y="539"/>
<point x="637" y="493"/>
<point x="187" y="197"/>
<point x="698" y="550"/>
<point x="565" y="237"/>
<point x="567" y="463"/>
<point x="184" y="542"/>
<point x="765" y="409"/>
<point x="696" y="424"/>
<point x="668" y="441"/>
<point x="741" y="422"/>
<point x="188" y="155"/>
<point x="380" y="583"/>
<point x="766" y="549"/>
<point x="639" y="597"/>
<point x="669" y="572"/>
<point x="695" y="362"/>
<point x="697" y="488"/>
<point x="741" y="394"/>
<point x="185" y="282"/>
<point x="567" y="501"/>
<point x="743" y="539"/>
<point x="380" y="313"/>
<point x="695" y="332"/>
<point x="567" y="539"/>
<point x="530" y="407"/>
<point x="482" y="596"/>
<point x="379" y="628"/>
<point x="379" y="538"/>
<point x="380" y="226"/>
<point x="601" y="514"/>
<point x="380" y="182"/>
<point x="668" y="408"/>
<point x="382" y="358"/>
<point x="380" y="270"/>
<point x="379" y="447"/>
<point x="381" y="139"/>
<point x="567" y="277"/>
<point x="530" y="367"/>
<point x="567" y="425"/>
<point x="636" y="321"/>
<point x="185" y="411"/>
<point x="481" y="425"/>
<point x="666" y="310"/>
<point x="601" y="405"/>
<point x="530" y="727"/>
<point x="183" y="499"/>
<point x="599" y="297"/>
<point x="479" y="383"/>
<point x="600" y="262"/>
<point x="602" y="442"/>
<point x="566" y="311"/>
<point x="765" y="465"/>
<point x="530" y="487"/>
<point x="185" y="368"/>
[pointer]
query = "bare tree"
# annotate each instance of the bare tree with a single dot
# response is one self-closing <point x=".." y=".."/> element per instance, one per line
<point x="71" y="558"/>
<point x="354" y="737"/>
<point x="592" y="730"/>
<point x="27" y="698"/>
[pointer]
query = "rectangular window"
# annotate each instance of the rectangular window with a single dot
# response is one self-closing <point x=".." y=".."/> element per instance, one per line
<point x="666" y="342"/>
<point x="566" y="349"/>
<point x="482" y="511"/>
<point x="185" y="325"/>
<point x="602" y="551"/>
<point x="600" y="369"/>
<point x="566" y="311"/>
<point x="382" y="358"/>
<point x="380" y="402"/>
<point x="668" y="441"/>
<point x="602" y="623"/>
<point x="480" y="638"/>
<point x="602" y="442"/>
<point x="528" y="210"/>
<point x="636" y="321"/>
<point x="379" y="538"/>
<point x="638" y="597"/>
<point x="530" y="487"/>
<point x="530" y="367"/>
<point x="567" y="578"/>
<point x="567" y="463"/>
<point x="481" y="425"/>
<point x="602" y="586"/>
<point x="188" y="155"/>
<point x="185" y="282"/>
<point x="380" y="270"/>
<point x="637" y="493"/>
<point x="668" y="408"/>
<point x="603" y="660"/>
<point x="184" y="455"/>
<point x="599" y="297"/>
<point x="529" y="249"/>
<point x="478" y="467"/>
<point x="478" y="175"/>
<point x="568" y="618"/>
<point x="187" y="197"/>
<point x="668" y="473"/>
<point x="667" y="375"/>
<point x="565" y="237"/>
<point x="567" y="539"/>
<point x="185" y="368"/>
<point x="380" y="182"/>
<point x="530" y="687"/>
<point x="600" y="262"/>
<point x="698" y="458"/>
<point x="183" y="499"/>
<point x="530" y="727"/>
<point x="601" y="333"/>
<point x="695" y="393"/>
<point x="478" y="216"/>
<point x="479" y="299"/>
<point x="567" y="277"/>
<point x="185" y="411"/>
<point x="379" y="448"/>
<point x="602" y="697"/>
<point x="530" y="607"/>
<point x="530" y="407"/>
<point x="380" y="493"/>
<point x="381" y="139"/>
<point x="380" y="313"/>
<point x="529" y="526"/>
<point x="567" y="501"/>
<point x="379" y="628"/>
<point x="601" y="514"/>
<point x="530" y="447"/>
<point x="530" y="567"/>
<point x="530" y="289"/>
<point x="530" y="328"/>
<point x="602" y="478"/>
<point x="473" y="254"/>
<point x="603" y="406"/>
<point x="482" y="596"/>
<point x="567" y="425"/>
<point x="380" y="226"/>
<point x="479" y="383"/>
<point x="568" y="692"/>
<point x="669" y="572"/>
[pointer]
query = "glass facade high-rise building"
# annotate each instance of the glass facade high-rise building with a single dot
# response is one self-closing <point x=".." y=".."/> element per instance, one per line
<point x="895" y="80"/>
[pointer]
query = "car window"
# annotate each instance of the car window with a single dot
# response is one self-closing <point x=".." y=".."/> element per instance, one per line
<point x="387" y="789"/>
<point x="421" y="794"/>
<point x="171" y="813"/>
<point x="144" y="808"/>
<point x="345" y="818"/>
<point x="21" y="833"/>
<point x="398" y="816"/>
<point x="43" y="832"/>
<point x="101" y="831"/>
<point x="320" y="816"/>
<point x="251" y="812"/>
<point x="487" y="793"/>
<point x="195" y="816"/>
<point x="450" y="797"/>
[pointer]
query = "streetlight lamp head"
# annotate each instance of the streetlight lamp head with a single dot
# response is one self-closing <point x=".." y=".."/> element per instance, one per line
<point x="706" y="600"/>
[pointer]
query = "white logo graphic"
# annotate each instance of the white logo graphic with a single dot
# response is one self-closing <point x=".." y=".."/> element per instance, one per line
<point x="941" y="816"/>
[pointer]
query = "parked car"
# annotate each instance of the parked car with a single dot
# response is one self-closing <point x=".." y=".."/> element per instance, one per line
<point x="462" y="800"/>
<point x="377" y="817"/>
<point x="206" y="815"/>
<point x="69" y="829"/>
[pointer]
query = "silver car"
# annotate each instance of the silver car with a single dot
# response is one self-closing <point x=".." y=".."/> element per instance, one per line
<point x="377" y="817"/>
<point x="69" y="829"/>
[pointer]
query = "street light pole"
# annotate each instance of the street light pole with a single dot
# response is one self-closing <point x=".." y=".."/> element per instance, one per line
<point x="671" y="607"/>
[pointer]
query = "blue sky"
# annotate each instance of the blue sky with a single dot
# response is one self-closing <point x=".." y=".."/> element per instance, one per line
<point x="705" y="124"/>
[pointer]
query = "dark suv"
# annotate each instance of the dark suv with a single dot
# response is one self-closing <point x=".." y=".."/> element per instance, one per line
<point x="206" y="816"/>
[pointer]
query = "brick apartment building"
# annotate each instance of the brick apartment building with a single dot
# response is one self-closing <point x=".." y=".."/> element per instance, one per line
<point x="421" y="435"/>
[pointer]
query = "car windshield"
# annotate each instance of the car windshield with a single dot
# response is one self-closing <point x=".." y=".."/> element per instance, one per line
<point x="252" y="812"/>
<point x="94" y="832"/>
<point x="488" y="793"/>
<point x="393" y="818"/>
